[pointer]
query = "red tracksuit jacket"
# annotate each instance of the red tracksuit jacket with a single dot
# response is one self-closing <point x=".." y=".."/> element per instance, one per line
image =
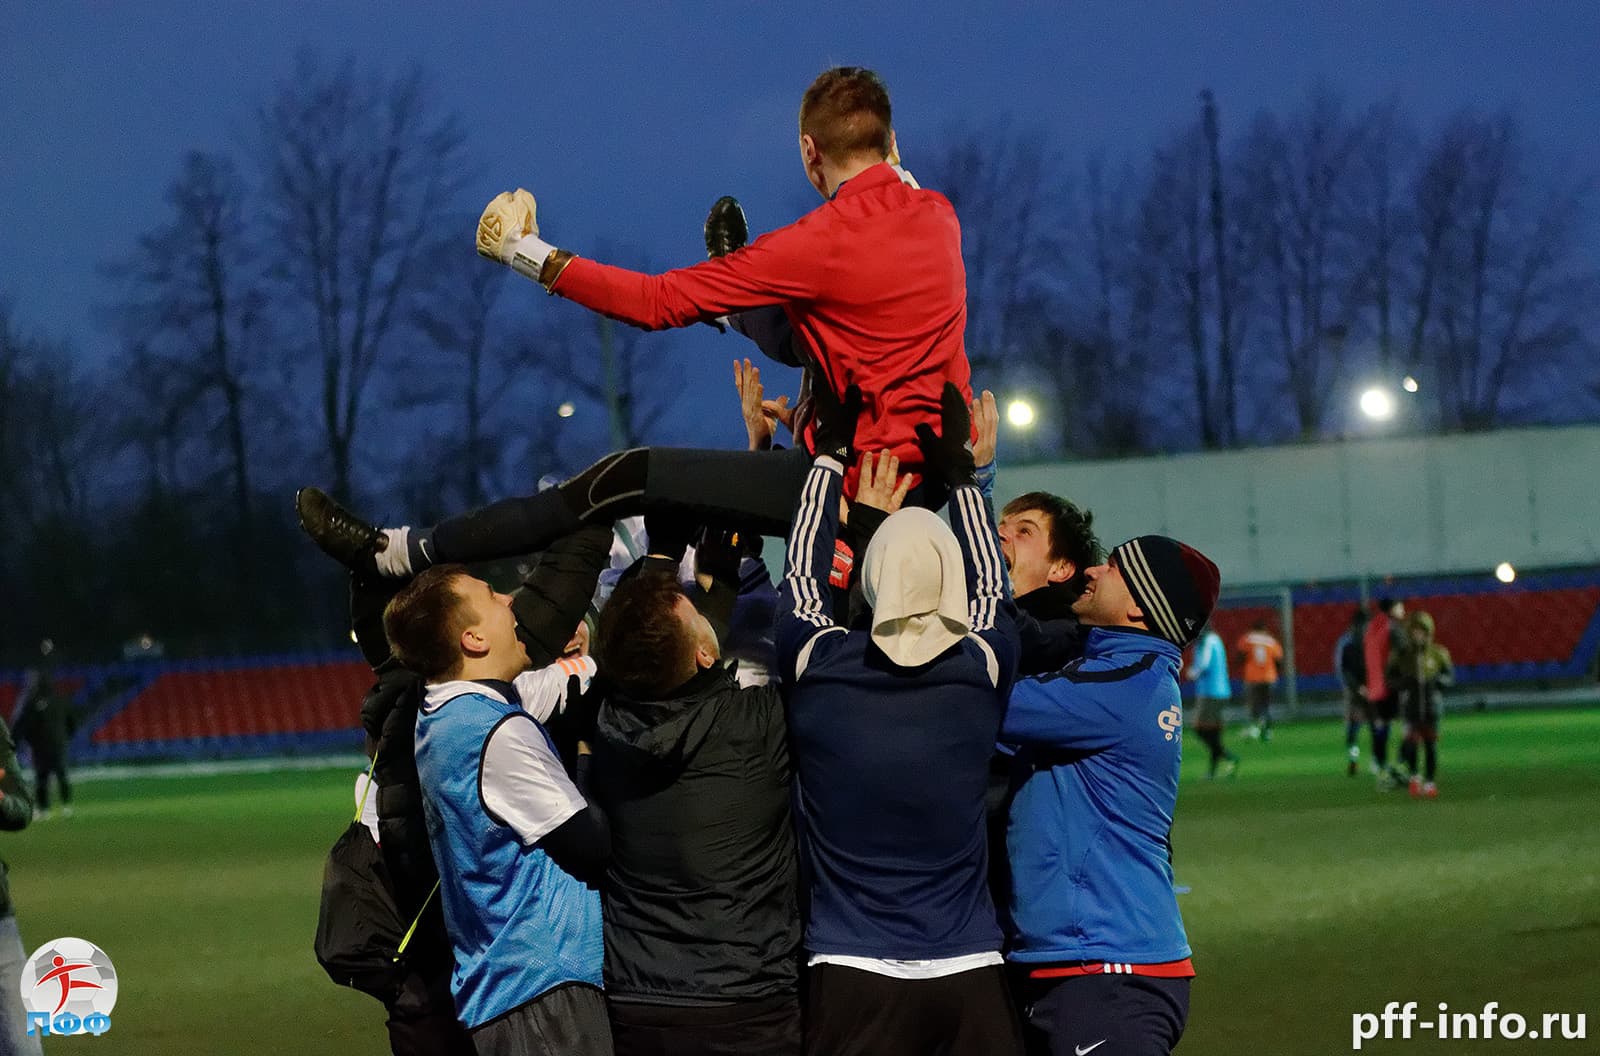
<point x="873" y="284"/>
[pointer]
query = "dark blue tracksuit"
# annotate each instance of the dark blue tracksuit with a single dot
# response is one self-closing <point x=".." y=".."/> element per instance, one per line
<point x="891" y="768"/>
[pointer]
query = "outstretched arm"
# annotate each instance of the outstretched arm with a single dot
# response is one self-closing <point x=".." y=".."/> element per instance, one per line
<point x="991" y="612"/>
<point x="777" y="268"/>
<point x="805" y="602"/>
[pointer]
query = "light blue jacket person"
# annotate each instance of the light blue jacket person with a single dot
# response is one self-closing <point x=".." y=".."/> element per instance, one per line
<point x="1210" y="667"/>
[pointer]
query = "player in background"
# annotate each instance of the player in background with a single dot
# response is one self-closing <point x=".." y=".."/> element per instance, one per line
<point x="1350" y="665"/>
<point x="1259" y="656"/>
<point x="1212" y="692"/>
<point x="1420" y="670"/>
<point x="1385" y="633"/>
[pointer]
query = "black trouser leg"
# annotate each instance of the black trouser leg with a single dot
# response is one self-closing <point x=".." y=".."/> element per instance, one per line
<point x="368" y="596"/>
<point x="756" y="490"/>
<point x="1430" y="756"/>
<point x="41" y="786"/>
<point x="1408" y="754"/>
<point x="1128" y="1014"/>
<point x="851" y="1012"/>
<point x="763" y="1027"/>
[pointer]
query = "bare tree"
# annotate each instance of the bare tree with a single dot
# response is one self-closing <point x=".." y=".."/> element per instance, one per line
<point x="467" y="368"/>
<point x="1171" y="239"/>
<point x="1296" y="177"/>
<point x="1011" y="198"/>
<point x="360" y="169"/>
<point x="191" y="308"/>
<point x="1508" y="287"/>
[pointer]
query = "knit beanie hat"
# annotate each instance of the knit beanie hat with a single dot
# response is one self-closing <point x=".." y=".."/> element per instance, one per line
<point x="1174" y="585"/>
<point x="915" y="582"/>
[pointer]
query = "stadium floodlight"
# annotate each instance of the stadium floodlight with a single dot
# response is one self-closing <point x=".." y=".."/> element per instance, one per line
<point x="1377" y="404"/>
<point x="1020" y="413"/>
<point x="1504" y="572"/>
<point x="1409" y="383"/>
<point x="567" y="410"/>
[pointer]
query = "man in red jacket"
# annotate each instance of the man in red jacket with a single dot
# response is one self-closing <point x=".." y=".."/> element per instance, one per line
<point x="872" y="280"/>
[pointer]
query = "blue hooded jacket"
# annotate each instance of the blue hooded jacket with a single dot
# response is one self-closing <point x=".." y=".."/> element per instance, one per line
<point x="1091" y="865"/>
<point x="1210" y="668"/>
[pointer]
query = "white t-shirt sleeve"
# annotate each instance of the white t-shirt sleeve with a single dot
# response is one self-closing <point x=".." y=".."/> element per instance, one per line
<point x="522" y="782"/>
<point x="544" y="692"/>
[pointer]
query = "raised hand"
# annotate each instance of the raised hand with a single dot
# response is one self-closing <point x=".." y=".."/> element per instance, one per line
<point x="947" y="453"/>
<point x="760" y="415"/>
<point x="509" y="217"/>
<point x="986" y="419"/>
<point x="836" y="420"/>
<point x="881" y="486"/>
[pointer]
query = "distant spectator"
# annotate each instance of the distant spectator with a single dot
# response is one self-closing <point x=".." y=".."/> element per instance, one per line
<point x="1419" y="671"/>
<point x="1350" y="664"/>
<point x="1259" y="654"/>
<point x="1212" y="692"/>
<point x="45" y="722"/>
<point x="1384" y="633"/>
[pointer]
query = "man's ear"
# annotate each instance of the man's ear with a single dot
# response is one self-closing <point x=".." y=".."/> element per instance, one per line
<point x="704" y="658"/>
<point x="473" y="643"/>
<point x="1060" y="571"/>
<point x="894" y="149"/>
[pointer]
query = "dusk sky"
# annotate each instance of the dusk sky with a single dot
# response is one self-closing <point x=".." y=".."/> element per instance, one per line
<point x="628" y="120"/>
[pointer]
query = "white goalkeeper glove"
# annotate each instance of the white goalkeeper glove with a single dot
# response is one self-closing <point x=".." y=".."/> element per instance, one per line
<point x="508" y="231"/>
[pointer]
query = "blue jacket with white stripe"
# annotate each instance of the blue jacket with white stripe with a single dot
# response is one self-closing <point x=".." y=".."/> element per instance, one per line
<point x="891" y="763"/>
<point x="1088" y="840"/>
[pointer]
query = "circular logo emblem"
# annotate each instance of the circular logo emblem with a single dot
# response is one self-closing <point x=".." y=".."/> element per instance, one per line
<point x="69" y="987"/>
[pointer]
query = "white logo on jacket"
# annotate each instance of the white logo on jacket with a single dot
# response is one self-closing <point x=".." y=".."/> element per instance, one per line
<point x="1171" y="720"/>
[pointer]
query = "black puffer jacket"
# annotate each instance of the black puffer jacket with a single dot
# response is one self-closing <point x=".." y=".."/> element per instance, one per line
<point x="700" y="900"/>
<point x="1051" y="636"/>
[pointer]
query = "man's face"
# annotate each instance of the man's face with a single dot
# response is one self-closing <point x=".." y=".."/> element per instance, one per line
<point x="707" y="650"/>
<point x="491" y="633"/>
<point x="1025" y="545"/>
<point x="1105" y="601"/>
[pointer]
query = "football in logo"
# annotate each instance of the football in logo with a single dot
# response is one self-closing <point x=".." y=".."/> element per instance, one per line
<point x="70" y="980"/>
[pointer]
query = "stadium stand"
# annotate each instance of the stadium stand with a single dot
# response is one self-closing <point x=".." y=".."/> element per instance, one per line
<point x="1541" y="631"/>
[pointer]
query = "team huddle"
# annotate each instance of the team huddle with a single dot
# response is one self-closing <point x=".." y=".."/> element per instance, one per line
<point x="913" y="797"/>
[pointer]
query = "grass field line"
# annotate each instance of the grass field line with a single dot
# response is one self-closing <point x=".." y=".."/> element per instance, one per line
<point x="220" y="767"/>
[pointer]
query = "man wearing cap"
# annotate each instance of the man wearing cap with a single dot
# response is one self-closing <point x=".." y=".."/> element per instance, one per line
<point x="1096" y="935"/>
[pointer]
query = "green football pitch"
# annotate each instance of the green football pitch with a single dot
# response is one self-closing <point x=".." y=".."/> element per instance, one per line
<point x="1311" y="896"/>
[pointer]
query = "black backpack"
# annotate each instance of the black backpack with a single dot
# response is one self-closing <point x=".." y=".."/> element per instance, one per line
<point x="361" y="935"/>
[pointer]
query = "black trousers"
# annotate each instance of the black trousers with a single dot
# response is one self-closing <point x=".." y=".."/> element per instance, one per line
<point x="422" y="1017"/>
<point x="1133" y="1015"/>
<point x="765" y="1027"/>
<point x="43" y="767"/>
<point x="755" y="491"/>
<point x="850" y="1012"/>
<point x="570" y="1020"/>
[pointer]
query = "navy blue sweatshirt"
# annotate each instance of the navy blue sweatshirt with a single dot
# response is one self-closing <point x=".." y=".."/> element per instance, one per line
<point x="892" y="763"/>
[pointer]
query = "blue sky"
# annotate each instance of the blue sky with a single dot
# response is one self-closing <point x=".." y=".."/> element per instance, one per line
<point x="627" y="123"/>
